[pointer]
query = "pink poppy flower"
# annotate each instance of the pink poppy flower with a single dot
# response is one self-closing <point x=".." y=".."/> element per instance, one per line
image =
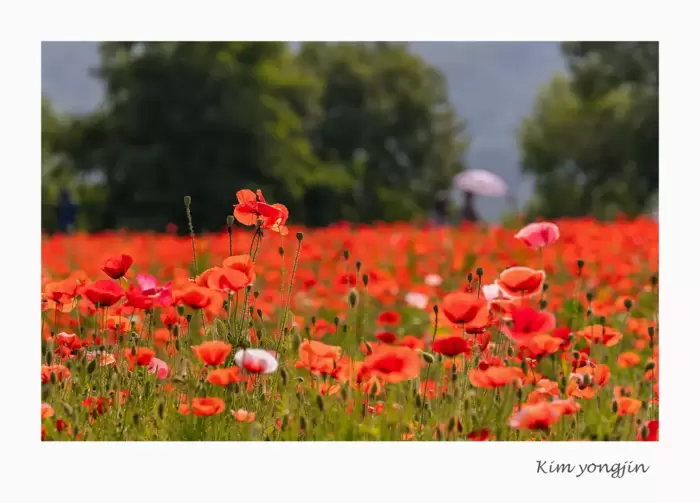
<point x="538" y="234"/>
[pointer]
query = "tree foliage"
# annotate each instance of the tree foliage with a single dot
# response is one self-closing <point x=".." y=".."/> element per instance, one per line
<point x="592" y="141"/>
<point x="338" y="131"/>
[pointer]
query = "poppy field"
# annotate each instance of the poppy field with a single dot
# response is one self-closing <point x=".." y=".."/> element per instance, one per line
<point x="542" y="331"/>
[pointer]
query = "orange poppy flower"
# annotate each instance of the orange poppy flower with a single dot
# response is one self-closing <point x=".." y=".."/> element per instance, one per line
<point x="494" y="377"/>
<point x="46" y="411"/>
<point x="521" y="282"/>
<point x="197" y="297"/>
<point x="468" y="309"/>
<point x="566" y="407"/>
<point x="242" y="415"/>
<point x="535" y="417"/>
<point x="391" y="364"/>
<point x="627" y="406"/>
<point x="61" y="372"/>
<point x="542" y="344"/>
<point x="224" y="377"/>
<point x="628" y="359"/>
<point x="318" y="357"/>
<point x="411" y="341"/>
<point x="204" y="406"/>
<point x="227" y="280"/>
<point x="599" y="334"/>
<point x="243" y="263"/>
<point x="61" y="292"/>
<point x="212" y="352"/>
<point x="252" y="207"/>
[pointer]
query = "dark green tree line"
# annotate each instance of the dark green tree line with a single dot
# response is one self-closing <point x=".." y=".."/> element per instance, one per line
<point x="592" y="141"/>
<point x="336" y="131"/>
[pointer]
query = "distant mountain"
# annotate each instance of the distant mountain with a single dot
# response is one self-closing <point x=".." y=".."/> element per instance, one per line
<point x="492" y="85"/>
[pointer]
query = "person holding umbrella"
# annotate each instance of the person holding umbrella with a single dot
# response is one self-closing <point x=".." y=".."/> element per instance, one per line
<point x="478" y="182"/>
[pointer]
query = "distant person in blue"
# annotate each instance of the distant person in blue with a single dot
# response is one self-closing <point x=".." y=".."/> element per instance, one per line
<point x="67" y="211"/>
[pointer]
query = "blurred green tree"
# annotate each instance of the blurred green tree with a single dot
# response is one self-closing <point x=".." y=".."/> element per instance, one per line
<point x="592" y="141"/>
<point x="384" y="114"/>
<point x="339" y="131"/>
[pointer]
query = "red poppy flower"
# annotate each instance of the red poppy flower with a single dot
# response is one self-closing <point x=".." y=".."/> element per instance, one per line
<point x="318" y="357"/>
<point x="386" y="337"/>
<point x="104" y="292"/>
<point x="412" y="342"/>
<point x="527" y="323"/>
<point x="479" y="435"/>
<point x="494" y="377"/>
<point x="116" y="267"/>
<point x="389" y="318"/>
<point x="535" y="417"/>
<point x="391" y="364"/>
<point x="464" y="308"/>
<point x="252" y="207"/>
<point x="142" y="357"/>
<point x="652" y="432"/>
<point x="212" y="353"/>
<point x="207" y="406"/>
<point x="451" y="346"/>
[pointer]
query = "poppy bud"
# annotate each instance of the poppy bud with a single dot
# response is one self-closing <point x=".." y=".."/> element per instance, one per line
<point x="180" y="310"/>
<point x="53" y="378"/>
<point x="589" y="313"/>
<point x="587" y="380"/>
<point x="345" y="328"/>
<point x="300" y="236"/>
<point x="435" y="309"/>
<point x="628" y="304"/>
<point x="358" y="265"/>
<point x="451" y="425"/>
<point x="454" y="377"/>
<point x="428" y="358"/>
<point x="365" y="279"/>
<point x="366" y="346"/>
<point x="49" y="358"/>
<point x="147" y="388"/>
<point x="654" y="280"/>
<point x="572" y="338"/>
<point x="284" y="376"/>
<point x="136" y="418"/>
<point x="229" y="220"/>
<point x="470" y="277"/>
<point x="177" y="344"/>
<point x="519" y="394"/>
<point x="260" y="313"/>
<point x="418" y="400"/>
<point x="510" y="351"/>
<point x="161" y="410"/>
<point x="302" y="423"/>
<point x="589" y="296"/>
<point x="336" y="320"/>
<point x="479" y="271"/>
<point x="188" y="200"/>
<point x="650" y="331"/>
<point x="603" y="320"/>
<point x="615" y="407"/>
<point x="579" y="264"/>
<point x="133" y="350"/>
<point x="650" y="366"/>
<point x="280" y="250"/>
<point x="576" y="355"/>
<point x="251" y="312"/>
<point x="438" y="434"/>
<point x="454" y="368"/>
<point x="352" y="297"/>
<point x="344" y="393"/>
<point x="645" y="432"/>
<point x="374" y="390"/>
<point x="346" y="254"/>
<point x="313" y="321"/>
<point x="545" y="287"/>
<point x="188" y="317"/>
<point x="543" y="304"/>
<point x="92" y="366"/>
<point x="67" y="409"/>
